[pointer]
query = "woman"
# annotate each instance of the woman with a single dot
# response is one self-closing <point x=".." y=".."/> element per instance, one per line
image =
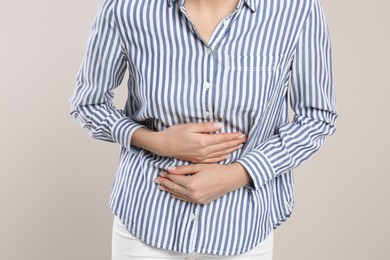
<point x="207" y="149"/>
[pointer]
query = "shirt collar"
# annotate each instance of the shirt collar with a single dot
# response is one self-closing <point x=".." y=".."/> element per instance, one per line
<point x="252" y="4"/>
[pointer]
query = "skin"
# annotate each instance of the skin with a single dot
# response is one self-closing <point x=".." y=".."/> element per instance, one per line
<point x="190" y="142"/>
<point x="203" y="181"/>
<point x="207" y="182"/>
<point x="206" y="14"/>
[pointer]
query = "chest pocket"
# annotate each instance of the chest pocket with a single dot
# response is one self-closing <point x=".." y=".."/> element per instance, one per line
<point x="249" y="81"/>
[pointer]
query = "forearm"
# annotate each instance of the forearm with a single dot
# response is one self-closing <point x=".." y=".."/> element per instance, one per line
<point x="238" y="176"/>
<point x="188" y="142"/>
<point x="153" y="141"/>
<point x="312" y="99"/>
<point x="148" y="140"/>
<point x="101" y="71"/>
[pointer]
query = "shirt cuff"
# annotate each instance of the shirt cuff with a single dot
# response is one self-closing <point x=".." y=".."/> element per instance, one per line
<point x="122" y="131"/>
<point x="259" y="168"/>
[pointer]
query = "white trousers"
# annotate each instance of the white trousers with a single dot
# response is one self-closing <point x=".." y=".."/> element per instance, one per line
<point x="127" y="247"/>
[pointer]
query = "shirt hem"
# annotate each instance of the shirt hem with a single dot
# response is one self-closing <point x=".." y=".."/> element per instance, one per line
<point x="186" y="250"/>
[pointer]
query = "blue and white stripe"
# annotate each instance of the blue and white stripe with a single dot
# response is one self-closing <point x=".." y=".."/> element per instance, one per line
<point x="241" y="77"/>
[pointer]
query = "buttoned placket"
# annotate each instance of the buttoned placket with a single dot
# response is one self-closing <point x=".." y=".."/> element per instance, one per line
<point x="194" y="230"/>
<point x="208" y="82"/>
<point x="208" y="89"/>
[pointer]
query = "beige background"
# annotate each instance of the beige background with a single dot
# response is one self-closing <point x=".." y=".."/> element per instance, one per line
<point x="55" y="180"/>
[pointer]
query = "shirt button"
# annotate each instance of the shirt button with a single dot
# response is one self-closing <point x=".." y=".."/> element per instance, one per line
<point x="226" y="22"/>
<point x="207" y="85"/>
<point x="209" y="51"/>
<point x="193" y="216"/>
<point x="206" y="113"/>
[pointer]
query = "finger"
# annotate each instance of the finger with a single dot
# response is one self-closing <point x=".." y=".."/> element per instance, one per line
<point x="181" y="180"/>
<point x="184" y="169"/>
<point x="225" y="152"/>
<point x="214" y="159"/>
<point x="204" y="127"/>
<point x="217" y="156"/>
<point x="218" y="150"/>
<point x="178" y="197"/>
<point x="171" y="187"/>
<point x="175" y="194"/>
<point x="221" y="138"/>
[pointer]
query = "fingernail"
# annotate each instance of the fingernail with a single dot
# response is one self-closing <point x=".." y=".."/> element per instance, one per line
<point x="162" y="174"/>
<point x="241" y="145"/>
<point x="156" y="181"/>
<point x="171" y="168"/>
<point x="217" y="124"/>
<point x="241" y="136"/>
<point x="161" y="187"/>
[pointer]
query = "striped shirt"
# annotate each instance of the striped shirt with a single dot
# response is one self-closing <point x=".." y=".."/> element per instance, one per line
<point x="265" y="56"/>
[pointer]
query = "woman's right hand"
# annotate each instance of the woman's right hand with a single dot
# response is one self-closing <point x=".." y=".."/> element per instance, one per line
<point x="193" y="142"/>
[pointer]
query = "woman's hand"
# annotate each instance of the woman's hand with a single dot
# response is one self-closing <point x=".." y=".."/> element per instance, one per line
<point x="207" y="182"/>
<point x="192" y="142"/>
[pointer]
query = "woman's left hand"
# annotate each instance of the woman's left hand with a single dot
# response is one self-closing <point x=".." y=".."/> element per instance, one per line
<point x="202" y="183"/>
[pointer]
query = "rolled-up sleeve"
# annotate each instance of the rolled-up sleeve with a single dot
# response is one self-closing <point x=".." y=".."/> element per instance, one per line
<point x="312" y="98"/>
<point x="101" y="71"/>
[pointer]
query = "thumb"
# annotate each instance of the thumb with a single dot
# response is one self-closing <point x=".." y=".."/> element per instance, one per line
<point x="206" y="127"/>
<point x="183" y="169"/>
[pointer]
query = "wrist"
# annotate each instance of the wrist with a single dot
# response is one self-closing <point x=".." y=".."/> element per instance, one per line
<point x="148" y="140"/>
<point x="239" y="176"/>
<point x="157" y="141"/>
